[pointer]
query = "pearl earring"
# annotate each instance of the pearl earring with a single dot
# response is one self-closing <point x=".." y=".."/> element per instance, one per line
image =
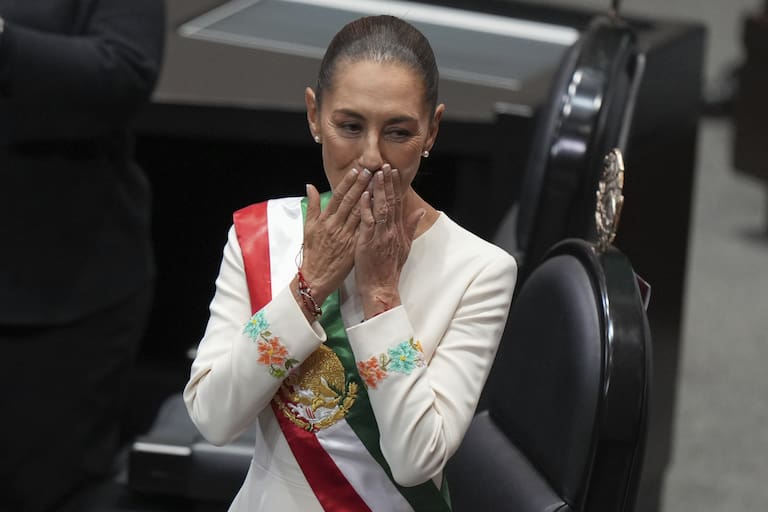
<point x="425" y="153"/>
<point x="317" y="139"/>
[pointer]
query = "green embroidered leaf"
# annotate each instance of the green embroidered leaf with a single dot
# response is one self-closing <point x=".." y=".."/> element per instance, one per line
<point x="339" y="392"/>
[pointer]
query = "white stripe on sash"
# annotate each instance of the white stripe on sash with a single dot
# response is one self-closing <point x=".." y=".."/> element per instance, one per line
<point x="361" y="469"/>
<point x="285" y="226"/>
<point x="367" y="477"/>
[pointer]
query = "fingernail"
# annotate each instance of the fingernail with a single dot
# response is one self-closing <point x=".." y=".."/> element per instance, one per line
<point x="367" y="172"/>
<point x="354" y="171"/>
<point x="386" y="166"/>
<point x="307" y="188"/>
<point x="380" y="176"/>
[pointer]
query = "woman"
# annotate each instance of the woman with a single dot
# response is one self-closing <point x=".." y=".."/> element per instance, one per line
<point x="355" y="328"/>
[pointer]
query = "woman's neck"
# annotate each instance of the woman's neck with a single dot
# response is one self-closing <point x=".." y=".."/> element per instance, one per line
<point x="411" y="203"/>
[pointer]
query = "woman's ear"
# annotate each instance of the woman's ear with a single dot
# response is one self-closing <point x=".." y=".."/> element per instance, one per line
<point x="434" y="126"/>
<point x="311" y="101"/>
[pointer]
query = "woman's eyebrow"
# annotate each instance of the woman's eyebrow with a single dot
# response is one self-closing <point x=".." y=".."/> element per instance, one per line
<point x="401" y="119"/>
<point x="348" y="112"/>
<point x="392" y="120"/>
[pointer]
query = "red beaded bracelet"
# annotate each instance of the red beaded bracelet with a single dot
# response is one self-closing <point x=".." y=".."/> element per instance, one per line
<point x="305" y="292"/>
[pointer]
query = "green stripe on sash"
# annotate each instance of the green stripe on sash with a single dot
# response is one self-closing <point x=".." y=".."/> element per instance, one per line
<point x="424" y="497"/>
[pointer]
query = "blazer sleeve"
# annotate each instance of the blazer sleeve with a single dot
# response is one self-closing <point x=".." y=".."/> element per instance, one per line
<point x="423" y="410"/>
<point x="243" y="358"/>
<point x="86" y="82"/>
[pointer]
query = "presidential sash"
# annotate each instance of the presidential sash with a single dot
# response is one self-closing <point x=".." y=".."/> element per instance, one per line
<point x="322" y="405"/>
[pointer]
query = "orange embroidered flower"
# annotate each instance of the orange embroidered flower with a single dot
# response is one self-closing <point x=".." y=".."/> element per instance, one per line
<point x="371" y="372"/>
<point x="272" y="352"/>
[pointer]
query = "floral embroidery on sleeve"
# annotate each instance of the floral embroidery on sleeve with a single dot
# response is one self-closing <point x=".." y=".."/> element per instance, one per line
<point x="272" y="353"/>
<point x="402" y="358"/>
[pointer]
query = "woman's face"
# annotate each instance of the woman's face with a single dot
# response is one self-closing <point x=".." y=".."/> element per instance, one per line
<point x="373" y="114"/>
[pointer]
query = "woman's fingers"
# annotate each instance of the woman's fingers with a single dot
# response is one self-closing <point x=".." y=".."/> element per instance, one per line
<point x="340" y="191"/>
<point x="366" y="215"/>
<point x="398" y="194"/>
<point x="353" y="219"/>
<point x="381" y="213"/>
<point x="349" y="203"/>
<point x="313" y="202"/>
<point x="389" y="187"/>
<point x="347" y="193"/>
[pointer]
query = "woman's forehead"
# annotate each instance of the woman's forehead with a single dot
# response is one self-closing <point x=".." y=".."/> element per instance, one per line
<point x="346" y="67"/>
<point x="374" y="83"/>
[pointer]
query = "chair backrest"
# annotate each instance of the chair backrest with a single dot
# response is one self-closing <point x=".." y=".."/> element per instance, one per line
<point x="587" y="113"/>
<point x="173" y="459"/>
<point x="567" y="396"/>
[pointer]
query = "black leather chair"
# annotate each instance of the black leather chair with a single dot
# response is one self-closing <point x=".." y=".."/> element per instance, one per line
<point x="568" y="394"/>
<point x="587" y="113"/>
<point x="173" y="459"/>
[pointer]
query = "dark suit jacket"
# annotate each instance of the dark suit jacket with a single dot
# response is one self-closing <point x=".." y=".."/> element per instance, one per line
<point x="74" y="206"/>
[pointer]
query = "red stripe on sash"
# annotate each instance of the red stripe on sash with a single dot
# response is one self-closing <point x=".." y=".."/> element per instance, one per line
<point x="253" y="237"/>
<point x="333" y="490"/>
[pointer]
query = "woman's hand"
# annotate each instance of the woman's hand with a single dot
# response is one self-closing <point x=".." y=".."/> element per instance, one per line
<point x="383" y="242"/>
<point x="330" y="236"/>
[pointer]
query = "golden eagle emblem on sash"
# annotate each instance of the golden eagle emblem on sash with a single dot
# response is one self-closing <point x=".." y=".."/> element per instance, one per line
<point x="316" y="395"/>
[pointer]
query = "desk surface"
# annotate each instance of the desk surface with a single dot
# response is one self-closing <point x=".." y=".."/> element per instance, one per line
<point x="263" y="53"/>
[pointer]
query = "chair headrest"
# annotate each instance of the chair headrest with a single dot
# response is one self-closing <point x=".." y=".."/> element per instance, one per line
<point x="586" y="114"/>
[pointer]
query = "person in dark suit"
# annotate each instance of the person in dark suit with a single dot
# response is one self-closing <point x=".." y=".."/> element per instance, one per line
<point x="76" y="265"/>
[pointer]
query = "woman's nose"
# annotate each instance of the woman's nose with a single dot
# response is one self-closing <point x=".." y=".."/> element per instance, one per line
<point x="370" y="157"/>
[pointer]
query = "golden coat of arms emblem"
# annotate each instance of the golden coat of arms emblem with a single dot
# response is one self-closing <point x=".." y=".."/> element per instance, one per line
<point x="316" y="394"/>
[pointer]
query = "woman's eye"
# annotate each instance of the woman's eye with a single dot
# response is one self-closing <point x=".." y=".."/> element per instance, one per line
<point x="351" y="128"/>
<point x="398" y="134"/>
